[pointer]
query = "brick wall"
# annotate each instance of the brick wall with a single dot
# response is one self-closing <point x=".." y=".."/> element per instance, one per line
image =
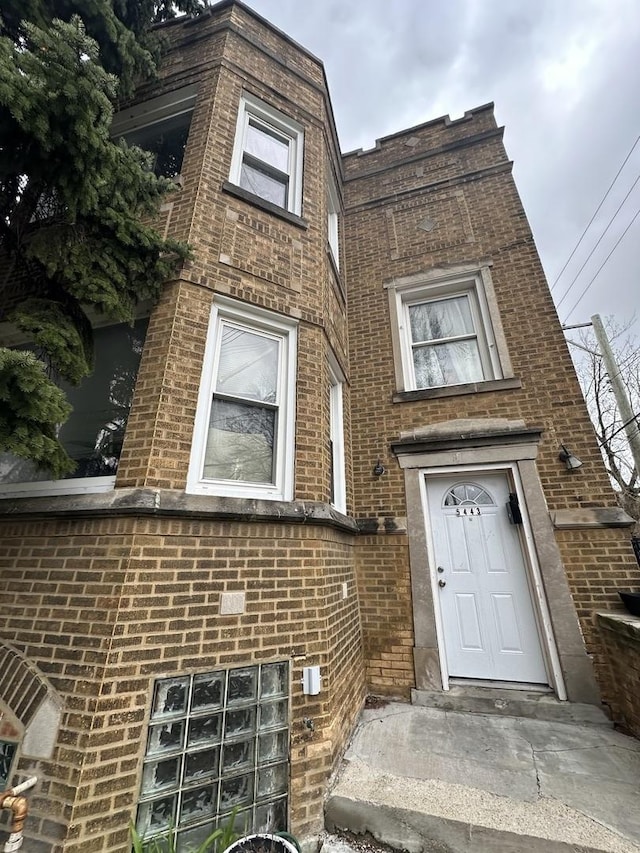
<point x="387" y="618"/>
<point x="597" y="565"/>
<point x="621" y="641"/>
<point x="104" y="605"/>
<point x="113" y="604"/>
<point x="103" y="596"/>
<point x="457" y="174"/>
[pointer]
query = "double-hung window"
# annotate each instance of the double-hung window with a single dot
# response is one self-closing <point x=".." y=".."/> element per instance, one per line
<point x="267" y="155"/>
<point x="445" y="340"/>
<point x="447" y="333"/>
<point x="243" y="441"/>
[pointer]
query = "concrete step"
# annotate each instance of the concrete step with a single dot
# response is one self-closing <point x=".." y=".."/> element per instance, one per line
<point x="532" y="705"/>
<point x="432" y="816"/>
<point x="433" y="780"/>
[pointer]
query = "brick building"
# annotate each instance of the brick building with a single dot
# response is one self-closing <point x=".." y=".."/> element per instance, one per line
<point x="326" y="463"/>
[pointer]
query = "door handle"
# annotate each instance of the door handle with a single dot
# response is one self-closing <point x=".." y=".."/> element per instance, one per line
<point x="441" y="583"/>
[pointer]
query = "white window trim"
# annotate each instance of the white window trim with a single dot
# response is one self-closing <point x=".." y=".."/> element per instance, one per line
<point x="256" y="319"/>
<point x="333" y="222"/>
<point x="73" y="485"/>
<point x="154" y="110"/>
<point x="438" y="284"/>
<point x="42" y="488"/>
<point x="336" y="434"/>
<point x="250" y="106"/>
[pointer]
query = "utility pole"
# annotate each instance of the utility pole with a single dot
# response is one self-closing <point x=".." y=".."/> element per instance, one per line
<point x="619" y="391"/>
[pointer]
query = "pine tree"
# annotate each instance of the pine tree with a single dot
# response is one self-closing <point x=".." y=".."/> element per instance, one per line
<point x="72" y="200"/>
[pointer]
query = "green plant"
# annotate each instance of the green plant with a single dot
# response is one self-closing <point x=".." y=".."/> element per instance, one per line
<point x="221" y="838"/>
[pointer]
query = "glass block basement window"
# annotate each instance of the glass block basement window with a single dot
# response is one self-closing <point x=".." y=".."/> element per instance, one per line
<point x="216" y="741"/>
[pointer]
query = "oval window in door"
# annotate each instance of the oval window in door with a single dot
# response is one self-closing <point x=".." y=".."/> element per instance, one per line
<point x="468" y="494"/>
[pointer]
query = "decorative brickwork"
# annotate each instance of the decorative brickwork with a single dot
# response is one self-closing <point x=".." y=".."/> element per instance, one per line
<point x="22" y="687"/>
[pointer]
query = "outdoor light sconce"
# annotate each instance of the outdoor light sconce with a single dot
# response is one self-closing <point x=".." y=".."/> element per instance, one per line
<point x="572" y="462"/>
<point x="379" y="469"/>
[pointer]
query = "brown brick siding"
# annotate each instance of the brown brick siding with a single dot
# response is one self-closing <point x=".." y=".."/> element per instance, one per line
<point x="621" y="644"/>
<point x="104" y="605"/>
<point x="597" y="565"/>
<point x="22" y="687"/>
<point x="387" y="618"/>
<point x="110" y="622"/>
<point x="458" y="175"/>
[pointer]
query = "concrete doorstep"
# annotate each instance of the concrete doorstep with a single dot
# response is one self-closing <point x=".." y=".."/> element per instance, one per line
<point x="430" y="779"/>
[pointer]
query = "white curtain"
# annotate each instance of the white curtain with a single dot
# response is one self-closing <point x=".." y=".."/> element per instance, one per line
<point x="451" y="362"/>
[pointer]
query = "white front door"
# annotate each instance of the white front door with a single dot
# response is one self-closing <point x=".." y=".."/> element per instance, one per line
<point x="488" y="622"/>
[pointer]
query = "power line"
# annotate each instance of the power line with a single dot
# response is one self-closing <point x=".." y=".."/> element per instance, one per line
<point x="624" y="426"/>
<point x="616" y="244"/>
<point x="604" y="198"/>
<point x="588" y="258"/>
<point x="625" y="365"/>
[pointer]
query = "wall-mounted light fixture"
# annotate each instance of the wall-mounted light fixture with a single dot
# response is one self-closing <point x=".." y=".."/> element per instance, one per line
<point x="379" y="469"/>
<point x="311" y="679"/>
<point x="572" y="462"/>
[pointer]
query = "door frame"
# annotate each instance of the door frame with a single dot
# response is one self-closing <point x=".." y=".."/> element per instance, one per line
<point x="532" y="569"/>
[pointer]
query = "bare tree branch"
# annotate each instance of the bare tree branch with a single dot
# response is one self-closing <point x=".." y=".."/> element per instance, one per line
<point x="605" y="417"/>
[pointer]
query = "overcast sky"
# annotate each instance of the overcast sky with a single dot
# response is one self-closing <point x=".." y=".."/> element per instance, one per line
<point x="565" y="79"/>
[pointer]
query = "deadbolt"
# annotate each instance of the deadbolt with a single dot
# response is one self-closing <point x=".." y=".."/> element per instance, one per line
<point x="440" y="569"/>
<point x="441" y="583"/>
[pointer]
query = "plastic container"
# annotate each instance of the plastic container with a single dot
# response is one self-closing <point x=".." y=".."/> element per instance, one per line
<point x="631" y="601"/>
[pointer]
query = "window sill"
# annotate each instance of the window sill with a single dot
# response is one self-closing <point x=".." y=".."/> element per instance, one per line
<point x="457" y="390"/>
<point x="267" y="206"/>
<point x="146" y="502"/>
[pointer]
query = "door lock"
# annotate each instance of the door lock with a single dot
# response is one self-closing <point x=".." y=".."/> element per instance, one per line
<point x="440" y="569"/>
<point x="441" y="583"/>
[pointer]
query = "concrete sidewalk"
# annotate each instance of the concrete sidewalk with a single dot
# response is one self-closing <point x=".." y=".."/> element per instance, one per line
<point x="430" y="779"/>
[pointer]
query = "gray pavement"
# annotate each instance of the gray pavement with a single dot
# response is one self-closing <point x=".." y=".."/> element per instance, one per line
<point x="431" y="779"/>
